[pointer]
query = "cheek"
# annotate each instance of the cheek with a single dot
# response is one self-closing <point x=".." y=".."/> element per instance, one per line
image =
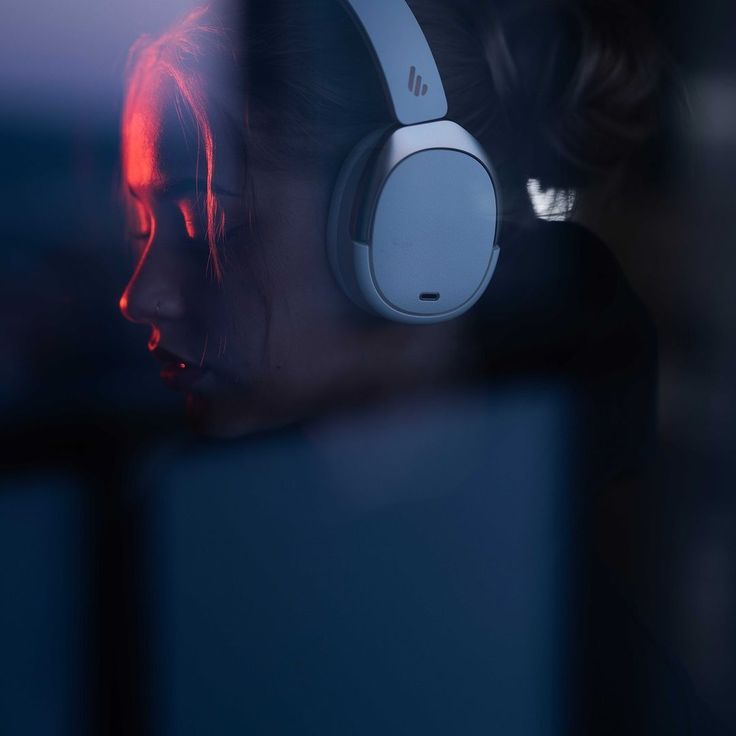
<point x="238" y="325"/>
<point x="278" y="307"/>
<point x="302" y="284"/>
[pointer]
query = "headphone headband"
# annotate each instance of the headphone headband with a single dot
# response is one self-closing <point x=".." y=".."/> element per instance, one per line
<point x="409" y="71"/>
<point x="411" y="234"/>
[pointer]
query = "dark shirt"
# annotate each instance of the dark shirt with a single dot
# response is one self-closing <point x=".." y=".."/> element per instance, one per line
<point x="560" y="307"/>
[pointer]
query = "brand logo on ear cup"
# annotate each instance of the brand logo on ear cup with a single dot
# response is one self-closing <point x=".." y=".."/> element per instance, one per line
<point x="415" y="83"/>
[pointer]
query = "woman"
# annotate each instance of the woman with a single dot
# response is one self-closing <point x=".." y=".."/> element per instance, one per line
<point x="234" y="129"/>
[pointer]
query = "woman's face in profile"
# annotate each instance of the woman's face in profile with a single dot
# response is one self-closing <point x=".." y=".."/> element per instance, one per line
<point x="224" y="342"/>
<point x="271" y="337"/>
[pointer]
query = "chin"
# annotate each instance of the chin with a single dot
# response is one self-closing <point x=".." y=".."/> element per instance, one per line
<point x="209" y="417"/>
<point x="228" y="416"/>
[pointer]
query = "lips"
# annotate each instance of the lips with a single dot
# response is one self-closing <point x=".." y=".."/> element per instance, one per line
<point x="177" y="372"/>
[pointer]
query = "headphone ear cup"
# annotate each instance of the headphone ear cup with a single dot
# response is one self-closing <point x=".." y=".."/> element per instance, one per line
<point x="433" y="233"/>
<point x="428" y="208"/>
<point x="345" y="213"/>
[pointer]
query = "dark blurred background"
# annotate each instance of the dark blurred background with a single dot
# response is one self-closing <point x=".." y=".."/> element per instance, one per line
<point x="68" y="362"/>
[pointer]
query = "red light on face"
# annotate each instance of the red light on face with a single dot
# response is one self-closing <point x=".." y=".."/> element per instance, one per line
<point x="155" y="339"/>
<point x="140" y="134"/>
<point x="149" y="91"/>
<point x="187" y="212"/>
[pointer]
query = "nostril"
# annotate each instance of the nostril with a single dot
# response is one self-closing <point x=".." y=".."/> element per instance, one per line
<point x="148" y="300"/>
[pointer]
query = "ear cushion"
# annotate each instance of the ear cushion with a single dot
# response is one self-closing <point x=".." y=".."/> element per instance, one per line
<point x="427" y="250"/>
<point x="344" y="211"/>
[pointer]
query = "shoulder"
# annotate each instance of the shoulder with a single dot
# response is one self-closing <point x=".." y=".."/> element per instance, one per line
<point x="560" y="306"/>
<point x="559" y="290"/>
<point x="558" y="265"/>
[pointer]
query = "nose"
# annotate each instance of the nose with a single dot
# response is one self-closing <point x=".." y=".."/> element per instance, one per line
<point x="153" y="294"/>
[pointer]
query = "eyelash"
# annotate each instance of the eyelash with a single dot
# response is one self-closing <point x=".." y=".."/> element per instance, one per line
<point x="140" y="238"/>
<point x="203" y="242"/>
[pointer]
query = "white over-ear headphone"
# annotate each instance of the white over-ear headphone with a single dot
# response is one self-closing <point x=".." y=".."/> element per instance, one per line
<point x="414" y="215"/>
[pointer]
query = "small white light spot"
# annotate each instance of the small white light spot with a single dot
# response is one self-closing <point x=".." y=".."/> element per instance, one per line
<point x="550" y="204"/>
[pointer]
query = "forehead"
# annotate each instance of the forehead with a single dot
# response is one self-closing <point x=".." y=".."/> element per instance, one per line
<point x="159" y="136"/>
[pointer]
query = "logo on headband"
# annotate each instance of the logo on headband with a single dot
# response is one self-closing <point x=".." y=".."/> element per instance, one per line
<point x="415" y="83"/>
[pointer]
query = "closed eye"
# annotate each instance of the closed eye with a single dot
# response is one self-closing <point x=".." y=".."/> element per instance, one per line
<point x="139" y="236"/>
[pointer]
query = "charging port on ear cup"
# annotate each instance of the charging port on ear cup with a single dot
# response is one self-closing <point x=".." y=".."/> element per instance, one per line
<point x="429" y="296"/>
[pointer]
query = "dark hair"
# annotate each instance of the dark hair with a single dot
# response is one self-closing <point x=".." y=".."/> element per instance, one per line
<point x="557" y="91"/>
<point x="580" y="85"/>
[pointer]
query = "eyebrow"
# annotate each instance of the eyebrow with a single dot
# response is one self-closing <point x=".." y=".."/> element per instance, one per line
<point x="180" y="187"/>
